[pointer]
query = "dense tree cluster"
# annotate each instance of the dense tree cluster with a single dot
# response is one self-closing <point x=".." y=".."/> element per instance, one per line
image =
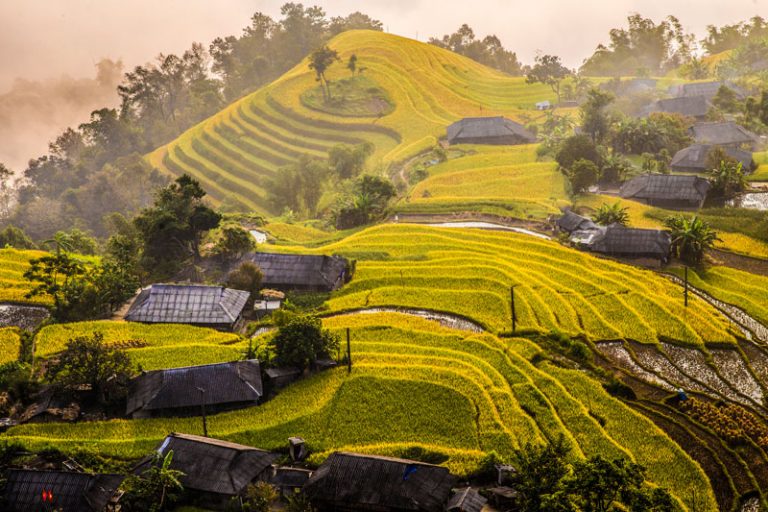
<point x="728" y="37"/>
<point x="97" y="169"/>
<point x="643" y="48"/>
<point x="488" y="51"/>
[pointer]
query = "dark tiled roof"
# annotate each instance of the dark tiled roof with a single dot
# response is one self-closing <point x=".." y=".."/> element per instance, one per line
<point x="618" y="240"/>
<point x="706" y="89"/>
<point x="214" y="466"/>
<point x="695" y="157"/>
<point x="379" y="483"/>
<point x="722" y="133"/>
<point x="72" y="492"/>
<point x="473" y="128"/>
<point x="301" y="270"/>
<point x="224" y="383"/>
<point x="188" y="304"/>
<point x="692" y="106"/>
<point x="667" y="187"/>
<point x="571" y="222"/>
<point x="466" y="500"/>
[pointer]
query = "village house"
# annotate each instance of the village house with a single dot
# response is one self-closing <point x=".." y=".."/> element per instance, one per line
<point x="466" y="500"/>
<point x="489" y="130"/>
<point x="674" y="191"/>
<point x="694" y="158"/>
<point x="302" y="272"/>
<point x="726" y="134"/>
<point x="571" y="222"/>
<point x="214" y="471"/>
<point x="185" y="391"/>
<point x="30" y="490"/>
<point x="194" y="304"/>
<point x="706" y="89"/>
<point x="348" y="482"/>
<point x="632" y="243"/>
<point x="689" y="106"/>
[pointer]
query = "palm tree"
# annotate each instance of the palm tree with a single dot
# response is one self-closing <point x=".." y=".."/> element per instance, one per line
<point x="611" y="214"/>
<point x="691" y="237"/>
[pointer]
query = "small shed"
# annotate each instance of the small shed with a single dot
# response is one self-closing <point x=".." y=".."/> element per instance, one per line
<point x="689" y="106"/>
<point x="353" y="482"/>
<point x="195" y="304"/>
<point x="302" y="272"/>
<point x="571" y="222"/>
<point x="27" y="490"/>
<point x="466" y="500"/>
<point x="278" y="378"/>
<point x="50" y="407"/>
<point x="726" y="134"/>
<point x="489" y="130"/>
<point x="290" y="480"/>
<point x="694" y="158"/>
<point x="184" y="391"/>
<point x="667" y="190"/>
<point x="623" y="242"/>
<point x="214" y="471"/>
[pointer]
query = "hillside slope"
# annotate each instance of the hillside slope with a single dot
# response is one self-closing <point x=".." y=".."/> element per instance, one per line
<point x="236" y="151"/>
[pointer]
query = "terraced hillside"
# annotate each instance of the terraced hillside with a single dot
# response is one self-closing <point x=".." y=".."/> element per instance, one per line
<point x="10" y="341"/>
<point x="234" y="152"/>
<point x="467" y="394"/>
<point x="502" y="180"/>
<point x="13" y="286"/>
<point x="469" y="273"/>
<point x="152" y="347"/>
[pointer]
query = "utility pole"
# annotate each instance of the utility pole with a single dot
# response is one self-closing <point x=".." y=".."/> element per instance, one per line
<point x="202" y="406"/>
<point x="349" y="354"/>
<point x="514" y="311"/>
<point x="685" y="293"/>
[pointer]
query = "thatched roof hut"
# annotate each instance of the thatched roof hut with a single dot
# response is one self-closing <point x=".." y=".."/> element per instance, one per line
<point x="667" y="190"/>
<point x="728" y="134"/>
<point x="620" y="241"/>
<point x="694" y="158"/>
<point x="302" y="272"/>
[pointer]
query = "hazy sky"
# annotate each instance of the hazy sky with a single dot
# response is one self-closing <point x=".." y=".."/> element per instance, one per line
<point x="45" y="38"/>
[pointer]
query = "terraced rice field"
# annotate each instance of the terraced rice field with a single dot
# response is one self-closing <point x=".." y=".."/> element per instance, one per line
<point x="504" y="180"/>
<point x="13" y="286"/>
<point x="742" y="289"/>
<point x="10" y="341"/>
<point x="469" y="273"/>
<point x="234" y="152"/>
<point x="761" y="173"/>
<point x="467" y="394"/>
<point x="151" y="347"/>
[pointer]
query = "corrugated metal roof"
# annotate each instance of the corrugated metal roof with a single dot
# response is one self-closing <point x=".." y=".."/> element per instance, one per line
<point x="71" y="492"/>
<point x="224" y="383"/>
<point x="487" y="128"/>
<point x="214" y="466"/>
<point x="382" y="483"/>
<point x="722" y="133"/>
<point x="668" y="187"/>
<point x="695" y="157"/>
<point x="188" y="304"/>
<point x="301" y="270"/>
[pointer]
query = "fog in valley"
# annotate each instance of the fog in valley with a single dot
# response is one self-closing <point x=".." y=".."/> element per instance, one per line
<point x="61" y="60"/>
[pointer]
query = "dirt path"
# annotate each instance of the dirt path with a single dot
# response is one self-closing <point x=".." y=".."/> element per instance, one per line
<point x="740" y="262"/>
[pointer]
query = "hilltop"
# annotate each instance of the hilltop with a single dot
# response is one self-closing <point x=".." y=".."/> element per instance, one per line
<point x="421" y="89"/>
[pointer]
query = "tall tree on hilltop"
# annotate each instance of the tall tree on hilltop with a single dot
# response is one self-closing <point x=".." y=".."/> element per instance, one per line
<point x="319" y="61"/>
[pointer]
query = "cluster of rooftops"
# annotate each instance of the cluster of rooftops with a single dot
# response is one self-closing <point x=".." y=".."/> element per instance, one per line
<point x="216" y="471"/>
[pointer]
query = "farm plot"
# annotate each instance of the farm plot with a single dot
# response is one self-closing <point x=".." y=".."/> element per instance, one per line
<point x="467" y="394"/>
<point x="491" y="179"/>
<point x="234" y="152"/>
<point x="469" y="273"/>
<point x="151" y="347"/>
<point x="13" y="286"/>
<point x="10" y="341"/>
